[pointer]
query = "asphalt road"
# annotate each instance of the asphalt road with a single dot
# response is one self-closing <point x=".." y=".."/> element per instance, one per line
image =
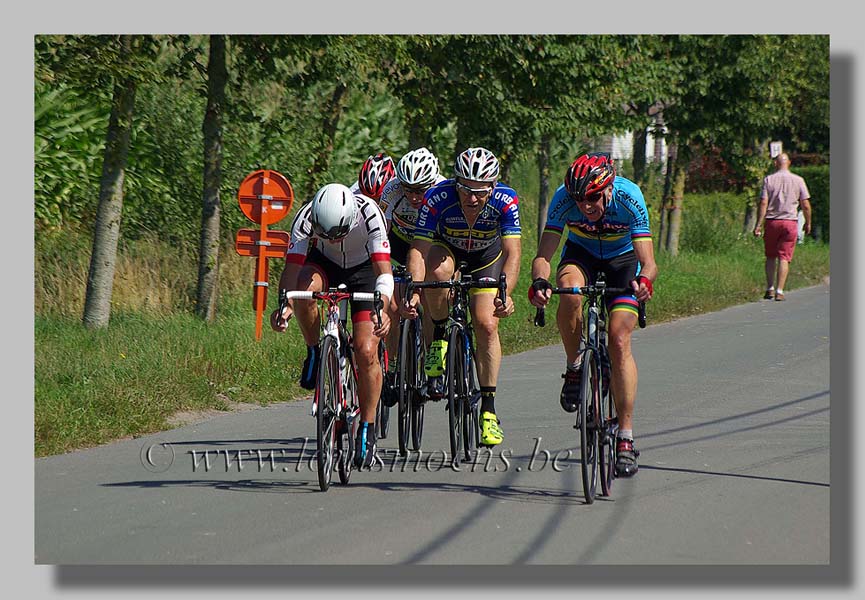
<point x="732" y="420"/>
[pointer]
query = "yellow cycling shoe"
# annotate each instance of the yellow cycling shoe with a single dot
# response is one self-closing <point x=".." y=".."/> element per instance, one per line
<point x="491" y="431"/>
<point x="434" y="366"/>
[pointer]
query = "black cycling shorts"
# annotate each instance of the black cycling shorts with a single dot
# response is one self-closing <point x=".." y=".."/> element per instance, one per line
<point x="618" y="272"/>
<point x="398" y="248"/>
<point x="357" y="279"/>
<point x="478" y="265"/>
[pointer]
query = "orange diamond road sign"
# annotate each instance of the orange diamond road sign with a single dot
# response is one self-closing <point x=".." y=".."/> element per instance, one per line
<point x="265" y="197"/>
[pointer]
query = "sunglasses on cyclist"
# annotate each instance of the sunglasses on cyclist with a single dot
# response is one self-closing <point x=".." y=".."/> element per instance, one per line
<point x="415" y="189"/>
<point x="592" y="198"/>
<point x="479" y="192"/>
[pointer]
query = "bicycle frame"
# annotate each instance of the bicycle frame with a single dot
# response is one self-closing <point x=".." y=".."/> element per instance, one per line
<point x="597" y="424"/>
<point x="337" y="366"/>
<point x="459" y="317"/>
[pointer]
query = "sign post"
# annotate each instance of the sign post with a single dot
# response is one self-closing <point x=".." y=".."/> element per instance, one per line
<point x="265" y="197"/>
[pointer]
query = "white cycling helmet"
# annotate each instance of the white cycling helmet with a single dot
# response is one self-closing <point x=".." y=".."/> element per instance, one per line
<point x="477" y="164"/>
<point x="333" y="211"/>
<point x="418" y="168"/>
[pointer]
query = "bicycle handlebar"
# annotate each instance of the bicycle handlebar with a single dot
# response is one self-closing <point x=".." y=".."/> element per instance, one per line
<point x="333" y="295"/>
<point x="483" y="283"/>
<point x="593" y="290"/>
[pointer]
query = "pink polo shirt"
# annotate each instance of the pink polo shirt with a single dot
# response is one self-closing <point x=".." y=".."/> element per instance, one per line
<point x="784" y="191"/>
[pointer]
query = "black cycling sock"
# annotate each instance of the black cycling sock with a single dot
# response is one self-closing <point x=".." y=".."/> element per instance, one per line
<point x="439" y="329"/>
<point x="488" y="398"/>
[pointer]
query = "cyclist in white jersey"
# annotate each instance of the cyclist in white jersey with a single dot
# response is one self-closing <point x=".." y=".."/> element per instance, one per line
<point x="402" y="197"/>
<point x="341" y="238"/>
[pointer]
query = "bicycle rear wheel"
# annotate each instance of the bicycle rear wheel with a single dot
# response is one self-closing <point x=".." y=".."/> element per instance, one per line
<point x="589" y="417"/>
<point x="327" y="393"/>
<point x="607" y="441"/>
<point x="455" y="382"/>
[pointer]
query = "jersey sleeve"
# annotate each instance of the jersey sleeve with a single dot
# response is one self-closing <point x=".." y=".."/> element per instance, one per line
<point x="557" y="211"/>
<point x="301" y="234"/>
<point x="389" y="198"/>
<point x="632" y="198"/>
<point x="372" y="218"/>
<point x="428" y="215"/>
<point x="510" y="222"/>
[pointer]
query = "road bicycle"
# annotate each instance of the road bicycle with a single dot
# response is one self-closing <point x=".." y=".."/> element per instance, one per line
<point x="597" y="421"/>
<point x="410" y="378"/>
<point x="461" y="380"/>
<point x="335" y="403"/>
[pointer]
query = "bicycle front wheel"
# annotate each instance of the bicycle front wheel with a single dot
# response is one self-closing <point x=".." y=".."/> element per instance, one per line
<point x="471" y="400"/>
<point x="417" y="401"/>
<point x="382" y="412"/>
<point x="405" y="382"/>
<point x="327" y="394"/>
<point x="589" y="418"/>
<point x="455" y="376"/>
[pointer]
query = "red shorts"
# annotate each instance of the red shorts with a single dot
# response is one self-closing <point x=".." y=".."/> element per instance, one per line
<point x="779" y="238"/>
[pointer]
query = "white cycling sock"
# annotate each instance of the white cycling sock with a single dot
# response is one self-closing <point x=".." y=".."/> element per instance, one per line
<point x="627" y="434"/>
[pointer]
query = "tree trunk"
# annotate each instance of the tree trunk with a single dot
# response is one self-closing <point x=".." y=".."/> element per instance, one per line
<point x="330" y="121"/>
<point x="505" y="163"/>
<point x="106" y="233"/>
<point x="418" y="135"/>
<point x="639" y="154"/>
<point x="544" y="183"/>
<point x="677" y="201"/>
<point x="666" y="201"/>
<point x="208" y="249"/>
<point x="750" y="217"/>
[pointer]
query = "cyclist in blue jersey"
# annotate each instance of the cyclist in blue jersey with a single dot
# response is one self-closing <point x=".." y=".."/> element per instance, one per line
<point x="608" y="231"/>
<point x="475" y="219"/>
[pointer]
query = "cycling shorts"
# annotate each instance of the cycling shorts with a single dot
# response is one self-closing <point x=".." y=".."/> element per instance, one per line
<point x="360" y="278"/>
<point x="618" y="272"/>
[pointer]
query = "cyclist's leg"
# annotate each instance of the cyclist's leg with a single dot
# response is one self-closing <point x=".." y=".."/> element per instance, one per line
<point x="623" y="311"/>
<point x="488" y="349"/>
<point x="312" y="278"/>
<point x="574" y="270"/>
<point x="440" y="264"/>
<point x="369" y="375"/>
<point x="622" y="320"/>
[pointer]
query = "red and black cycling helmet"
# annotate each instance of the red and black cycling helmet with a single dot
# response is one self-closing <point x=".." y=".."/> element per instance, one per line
<point x="375" y="172"/>
<point x="589" y="175"/>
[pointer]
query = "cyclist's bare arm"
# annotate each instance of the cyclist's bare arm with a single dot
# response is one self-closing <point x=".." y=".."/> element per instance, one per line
<point x="645" y="252"/>
<point x="541" y="264"/>
<point x="382" y="267"/>
<point x="287" y="281"/>
<point x="416" y="267"/>
<point x="511" y="251"/>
